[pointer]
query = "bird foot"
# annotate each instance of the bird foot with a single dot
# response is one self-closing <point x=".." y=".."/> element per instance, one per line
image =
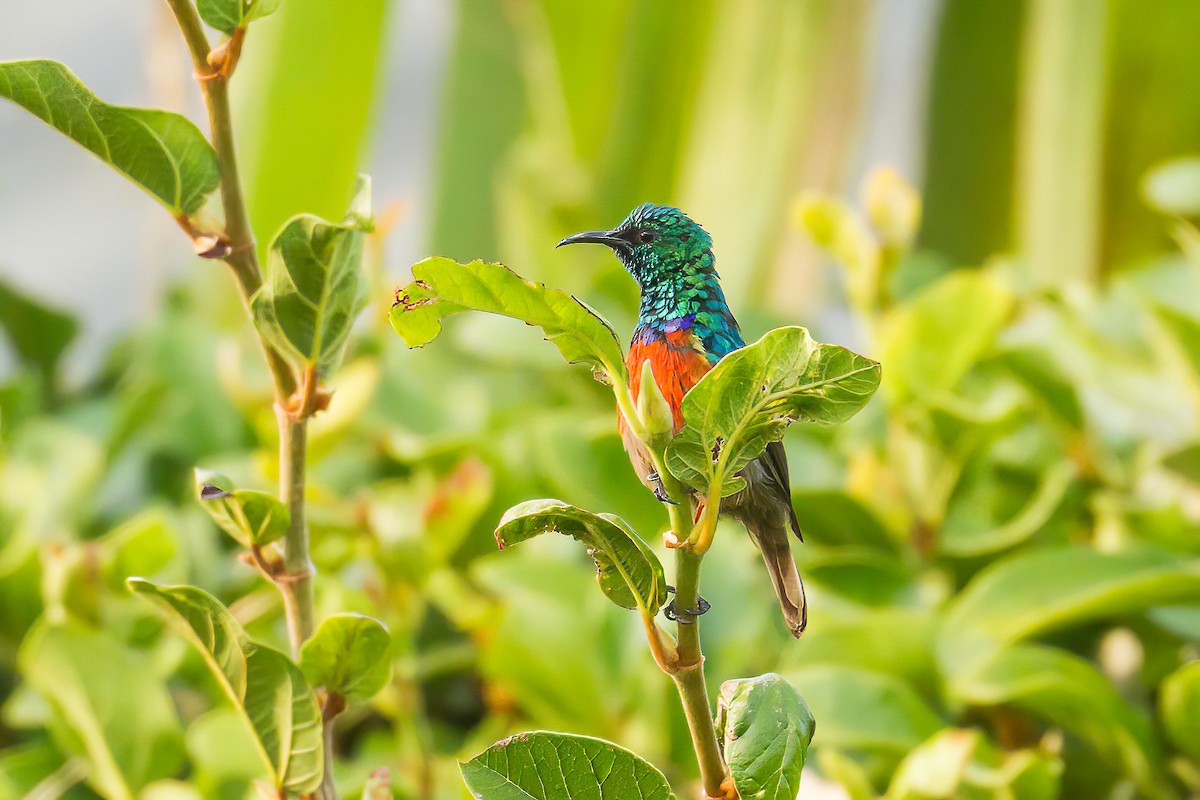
<point x="660" y="491"/>
<point x="672" y="613"/>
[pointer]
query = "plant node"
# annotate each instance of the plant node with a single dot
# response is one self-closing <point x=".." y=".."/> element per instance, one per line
<point x="223" y="59"/>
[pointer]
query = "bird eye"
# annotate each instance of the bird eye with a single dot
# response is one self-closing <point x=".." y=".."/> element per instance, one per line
<point x="645" y="237"/>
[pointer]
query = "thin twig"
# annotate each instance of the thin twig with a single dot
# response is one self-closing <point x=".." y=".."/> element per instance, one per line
<point x="213" y="70"/>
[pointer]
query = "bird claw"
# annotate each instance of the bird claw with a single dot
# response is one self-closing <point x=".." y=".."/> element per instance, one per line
<point x="703" y="604"/>
<point x="660" y="491"/>
<point x="671" y="613"/>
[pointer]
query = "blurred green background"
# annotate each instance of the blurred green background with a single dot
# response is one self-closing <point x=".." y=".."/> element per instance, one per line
<point x="1002" y="551"/>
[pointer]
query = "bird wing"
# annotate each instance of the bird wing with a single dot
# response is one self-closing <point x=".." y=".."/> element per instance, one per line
<point x="774" y="459"/>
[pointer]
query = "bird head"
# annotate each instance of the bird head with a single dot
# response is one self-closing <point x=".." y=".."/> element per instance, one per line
<point x="655" y="243"/>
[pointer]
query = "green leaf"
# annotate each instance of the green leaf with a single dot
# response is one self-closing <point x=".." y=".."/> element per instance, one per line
<point x="1068" y="692"/>
<point x="251" y="517"/>
<point x="146" y="544"/>
<point x="349" y="655"/>
<point x="559" y="766"/>
<point x="1051" y="589"/>
<point x="228" y="15"/>
<point x="1185" y="462"/>
<point x="1174" y="187"/>
<point x="222" y="750"/>
<point x="865" y="711"/>
<point x="311" y="292"/>
<point x="832" y="517"/>
<point x="971" y="527"/>
<point x="267" y="689"/>
<point x="1179" y="705"/>
<point x="765" y="728"/>
<point x="931" y="342"/>
<point x="117" y="709"/>
<point x="872" y="717"/>
<point x="893" y="640"/>
<point x="163" y="153"/>
<point x="848" y="773"/>
<point x="751" y="396"/>
<point x="444" y="287"/>
<point x="961" y="763"/>
<point x="24" y="767"/>
<point x="1049" y="384"/>
<point x="38" y="334"/>
<point x="628" y="571"/>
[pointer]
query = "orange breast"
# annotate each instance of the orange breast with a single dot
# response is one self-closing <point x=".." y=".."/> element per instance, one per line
<point x="678" y="363"/>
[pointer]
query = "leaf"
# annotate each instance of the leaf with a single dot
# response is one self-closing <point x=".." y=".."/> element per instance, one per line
<point x="116" y="707"/>
<point x="971" y="527"/>
<point x="765" y="728"/>
<point x="1026" y="595"/>
<point x="144" y="545"/>
<point x="24" y="767"/>
<point x="228" y="15"/>
<point x="892" y="640"/>
<point x="163" y="153"/>
<point x="861" y="710"/>
<point x="311" y="292"/>
<point x="930" y="343"/>
<point x="559" y="766"/>
<point x="1185" y="462"/>
<point x="251" y="517"/>
<point x="1048" y="382"/>
<point x="1179" y="706"/>
<point x="853" y="777"/>
<point x="628" y="571"/>
<point x="835" y="518"/>
<point x="548" y="622"/>
<point x="1174" y="187"/>
<point x="348" y="654"/>
<point x="266" y="688"/>
<point x="958" y="762"/>
<point x="750" y="397"/>
<point x="1070" y="693"/>
<point x="444" y="287"/>
<point x="222" y="750"/>
<point x="38" y="334"/>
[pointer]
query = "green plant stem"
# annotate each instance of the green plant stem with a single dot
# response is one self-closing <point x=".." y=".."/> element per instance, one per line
<point x="193" y="33"/>
<point x="677" y="512"/>
<point x="687" y="667"/>
<point x="239" y="235"/>
<point x="295" y="584"/>
<point x="689" y="678"/>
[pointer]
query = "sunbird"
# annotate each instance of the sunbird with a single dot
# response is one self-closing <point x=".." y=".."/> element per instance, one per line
<point x="684" y="328"/>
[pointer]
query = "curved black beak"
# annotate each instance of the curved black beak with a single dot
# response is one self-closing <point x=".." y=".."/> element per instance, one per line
<point x="608" y="238"/>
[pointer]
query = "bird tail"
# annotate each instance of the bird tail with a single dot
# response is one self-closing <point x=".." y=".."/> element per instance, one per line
<point x="777" y="553"/>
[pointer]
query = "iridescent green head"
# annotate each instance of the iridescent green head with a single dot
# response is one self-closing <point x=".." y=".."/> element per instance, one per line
<point x="656" y="244"/>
